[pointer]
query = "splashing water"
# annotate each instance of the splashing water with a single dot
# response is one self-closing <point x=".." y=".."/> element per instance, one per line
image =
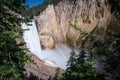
<point x="56" y="57"/>
<point x="52" y="57"/>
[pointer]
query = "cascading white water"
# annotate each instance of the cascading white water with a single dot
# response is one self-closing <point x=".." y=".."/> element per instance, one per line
<point x="31" y="38"/>
<point x="53" y="57"/>
<point x="56" y="57"/>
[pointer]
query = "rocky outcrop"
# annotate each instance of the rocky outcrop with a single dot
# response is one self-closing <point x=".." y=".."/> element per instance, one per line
<point x="47" y="41"/>
<point x="54" y="23"/>
<point x="39" y="69"/>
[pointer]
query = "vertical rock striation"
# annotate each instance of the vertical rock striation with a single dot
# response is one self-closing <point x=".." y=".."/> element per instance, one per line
<point x="54" y="23"/>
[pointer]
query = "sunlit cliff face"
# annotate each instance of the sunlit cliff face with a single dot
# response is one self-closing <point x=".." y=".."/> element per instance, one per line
<point x="54" y="23"/>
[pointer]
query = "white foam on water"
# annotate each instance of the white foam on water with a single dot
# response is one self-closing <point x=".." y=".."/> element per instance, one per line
<point x="56" y="57"/>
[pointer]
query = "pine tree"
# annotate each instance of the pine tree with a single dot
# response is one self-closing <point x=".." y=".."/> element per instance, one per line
<point x="80" y="68"/>
<point x="58" y="75"/>
<point x="12" y="54"/>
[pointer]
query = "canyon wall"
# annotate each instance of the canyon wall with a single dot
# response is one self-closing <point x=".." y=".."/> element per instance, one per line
<point x="54" y="23"/>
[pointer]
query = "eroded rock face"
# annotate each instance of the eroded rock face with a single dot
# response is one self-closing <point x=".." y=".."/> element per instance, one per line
<point x="54" y="23"/>
<point x="47" y="41"/>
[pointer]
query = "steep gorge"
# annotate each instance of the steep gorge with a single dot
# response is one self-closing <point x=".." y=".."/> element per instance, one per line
<point x="54" y="23"/>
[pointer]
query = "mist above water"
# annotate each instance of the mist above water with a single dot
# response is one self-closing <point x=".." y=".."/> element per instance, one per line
<point x="56" y="57"/>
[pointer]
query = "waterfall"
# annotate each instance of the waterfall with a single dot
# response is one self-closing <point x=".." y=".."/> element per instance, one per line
<point x="56" y="57"/>
<point x="31" y="38"/>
